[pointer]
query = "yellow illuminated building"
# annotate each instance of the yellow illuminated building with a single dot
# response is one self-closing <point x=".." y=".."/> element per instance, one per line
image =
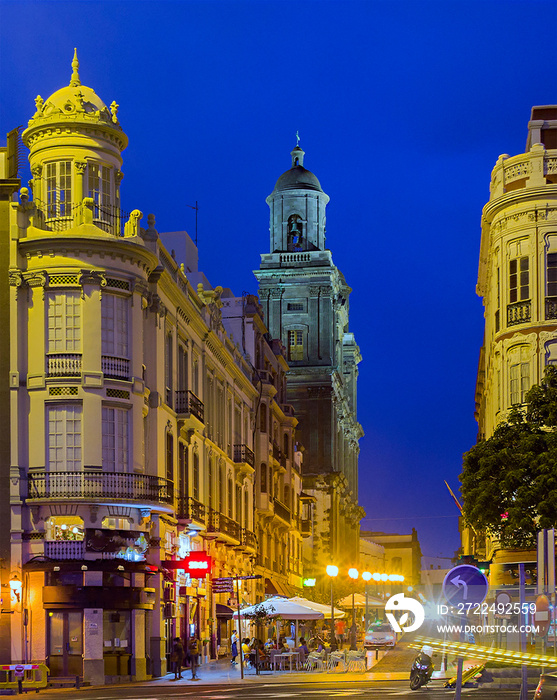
<point x="134" y="419"/>
<point x="517" y="281"/>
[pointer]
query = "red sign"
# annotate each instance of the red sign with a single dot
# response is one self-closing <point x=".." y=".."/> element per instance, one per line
<point x="197" y="564"/>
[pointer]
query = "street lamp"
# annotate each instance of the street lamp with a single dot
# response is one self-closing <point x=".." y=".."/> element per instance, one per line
<point x="353" y="573"/>
<point x="367" y="577"/>
<point x="332" y="571"/>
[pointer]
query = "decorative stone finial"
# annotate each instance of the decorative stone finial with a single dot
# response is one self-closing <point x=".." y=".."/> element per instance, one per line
<point x="39" y="102"/>
<point x="75" y="81"/>
<point x="114" y="111"/>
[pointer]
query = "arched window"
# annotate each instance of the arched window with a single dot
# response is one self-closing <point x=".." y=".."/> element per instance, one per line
<point x="295" y="232"/>
<point x="263" y="477"/>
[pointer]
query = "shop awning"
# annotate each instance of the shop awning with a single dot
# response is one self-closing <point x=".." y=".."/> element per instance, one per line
<point x="224" y="612"/>
<point x="279" y="588"/>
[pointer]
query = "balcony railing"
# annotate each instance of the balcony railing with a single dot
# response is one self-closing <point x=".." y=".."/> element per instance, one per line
<point x="550" y="308"/>
<point x="282" y="511"/>
<point x="63" y="364"/>
<point x="98" y="484"/>
<point x="187" y="402"/>
<point x="242" y="453"/>
<point x="277" y="454"/>
<point x="249" y="539"/>
<point x="115" y="367"/>
<point x="220" y="523"/>
<point x="61" y="216"/>
<point x="189" y="508"/>
<point x="62" y="549"/>
<point x="520" y="312"/>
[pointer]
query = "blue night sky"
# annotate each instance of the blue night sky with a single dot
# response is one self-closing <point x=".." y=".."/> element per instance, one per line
<point x="402" y="109"/>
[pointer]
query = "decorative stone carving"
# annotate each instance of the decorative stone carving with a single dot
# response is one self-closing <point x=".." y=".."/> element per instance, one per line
<point x="114" y="111"/>
<point x="80" y="166"/>
<point x="91" y="277"/>
<point x="276" y="293"/>
<point x="36" y="279"/>
<point x="131" y="227"/>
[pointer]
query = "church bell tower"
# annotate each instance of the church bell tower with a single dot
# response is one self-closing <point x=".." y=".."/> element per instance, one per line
<point x="306" y="303"/>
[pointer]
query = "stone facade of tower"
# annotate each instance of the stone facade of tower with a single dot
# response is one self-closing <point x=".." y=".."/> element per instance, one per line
<point x="305" y="300"/>
<point x="517" y="279"/>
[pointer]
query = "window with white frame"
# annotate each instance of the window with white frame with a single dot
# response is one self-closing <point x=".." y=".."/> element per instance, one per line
<point x="520" y="382"/>
<point x="114" y="325"/>
<point x="64" y="322"/>
<point x="115" y="439"/>
<point x="100" y="189"/>
<point x="58" y="189"/>
<point x="63" y="437"/>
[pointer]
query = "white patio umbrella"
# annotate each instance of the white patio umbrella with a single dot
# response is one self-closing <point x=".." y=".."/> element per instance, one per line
<point x="319" y="607"/>
<point x="360" y="601"/>
<point x="283" y="608"/>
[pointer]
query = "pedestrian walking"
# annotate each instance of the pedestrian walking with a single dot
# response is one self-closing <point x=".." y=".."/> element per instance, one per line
<point x="193" y="651"/>
<point x="177" y="658"/>
<point x="234" y="646"/>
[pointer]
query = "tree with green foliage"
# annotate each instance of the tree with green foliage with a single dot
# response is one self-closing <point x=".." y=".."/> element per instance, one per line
<point x="509" y="482"/>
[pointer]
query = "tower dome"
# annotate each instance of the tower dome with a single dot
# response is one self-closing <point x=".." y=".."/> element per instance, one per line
<point x="75" y="153"/>
<point x="297" y="206"/>
<point x="297" y="177"/>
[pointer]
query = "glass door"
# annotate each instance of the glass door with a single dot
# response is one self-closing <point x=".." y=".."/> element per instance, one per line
<point x="65" y="634"/>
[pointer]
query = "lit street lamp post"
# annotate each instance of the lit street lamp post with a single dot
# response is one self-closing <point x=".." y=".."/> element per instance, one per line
<point x="367" y="577"/>
<point x="353" y="573"/>
<point x="332" y="571"/>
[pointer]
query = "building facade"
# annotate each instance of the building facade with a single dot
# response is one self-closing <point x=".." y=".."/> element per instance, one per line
<point x="517" y="281"/>
<point x="305" y="301"/>
<point x="135" y="420"/>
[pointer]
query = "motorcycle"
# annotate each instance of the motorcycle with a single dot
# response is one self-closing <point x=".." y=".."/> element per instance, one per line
<point x="422" y="668"/>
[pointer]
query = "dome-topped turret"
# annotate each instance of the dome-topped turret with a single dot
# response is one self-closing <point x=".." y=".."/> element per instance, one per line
<point x="297" y="178"/>
<point x="76" y="103"/>
<point x="297" y="207"/>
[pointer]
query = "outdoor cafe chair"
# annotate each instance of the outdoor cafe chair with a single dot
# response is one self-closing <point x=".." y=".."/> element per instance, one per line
<point x="315" y="660"/>
<point x="356" y="661"/>
<point x="337" y="661"/>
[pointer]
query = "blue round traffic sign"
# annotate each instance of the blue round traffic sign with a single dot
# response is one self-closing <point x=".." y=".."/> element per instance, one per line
<point x="465" y="584"/>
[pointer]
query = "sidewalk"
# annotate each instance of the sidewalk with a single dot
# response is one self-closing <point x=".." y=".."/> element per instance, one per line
<point x="222" y="672"/>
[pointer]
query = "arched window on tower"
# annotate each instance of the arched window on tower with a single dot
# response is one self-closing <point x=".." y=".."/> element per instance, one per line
<point x="295" y="233"/>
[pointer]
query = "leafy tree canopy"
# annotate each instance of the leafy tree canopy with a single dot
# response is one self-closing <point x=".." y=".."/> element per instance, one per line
<point x="509" y="482"/>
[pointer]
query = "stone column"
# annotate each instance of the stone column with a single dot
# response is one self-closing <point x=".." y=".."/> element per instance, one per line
<point x="93" y="662"/>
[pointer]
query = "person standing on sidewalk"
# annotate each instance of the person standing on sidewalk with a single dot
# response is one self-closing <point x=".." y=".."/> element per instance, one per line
<point x="193" y="651"/>
<point x="234" y="646"/>
<point x="177" y="657"/>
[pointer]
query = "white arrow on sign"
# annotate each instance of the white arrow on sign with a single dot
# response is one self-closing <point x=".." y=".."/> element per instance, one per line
<point x="460" y="582"/>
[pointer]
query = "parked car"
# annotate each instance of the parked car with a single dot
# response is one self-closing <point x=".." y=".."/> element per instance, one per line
<point x="547" y="687"/>
<point x="379" y="636"/>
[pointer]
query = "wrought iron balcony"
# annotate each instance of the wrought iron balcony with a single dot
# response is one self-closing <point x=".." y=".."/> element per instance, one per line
<point x="249" y="540"/>
<point x="189" y="508"/>
<point x="282" y="511"/>
<point x="222" y="525"/>
<point x="242" y="453"/>
<point x="187" y="403"/>
<point x="115" y="367"/>
<point x="550" y="308"/>
<point x="114" y="486"/>
<point x="520" y="312"/>
<point x="66" y="364"/>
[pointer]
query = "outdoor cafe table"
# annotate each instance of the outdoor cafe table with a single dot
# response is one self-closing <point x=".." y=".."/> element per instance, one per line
<point x="290" y="655"/>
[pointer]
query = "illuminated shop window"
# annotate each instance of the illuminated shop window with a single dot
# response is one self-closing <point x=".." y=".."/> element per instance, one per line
<point x="64" y="527"/>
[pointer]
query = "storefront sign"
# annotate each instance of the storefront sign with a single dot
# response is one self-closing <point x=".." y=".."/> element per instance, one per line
<point x="196" y="564"/>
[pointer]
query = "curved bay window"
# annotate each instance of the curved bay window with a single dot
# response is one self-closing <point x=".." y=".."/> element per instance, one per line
<point x="58" y="181"/>
<point x="100" y="190"/>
